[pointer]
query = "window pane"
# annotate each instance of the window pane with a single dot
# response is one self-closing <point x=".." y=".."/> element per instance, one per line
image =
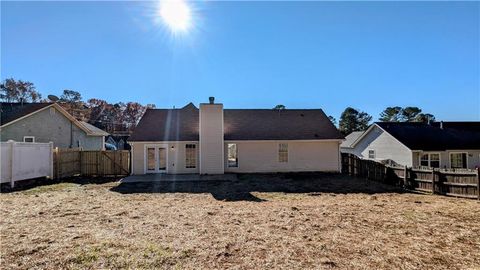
<point x="435" y="164"/>
<point x="190" y="156"/>
<point x="232" y="155"/>
<point x="283" y="152"/>
<point x="434" y="157"/>
<point x="162" y="159"/>
<point x="424" y="160"/>
<point x="151" y="159"/>
<point x="458" y="160"/>
<point x="371" y="153"/>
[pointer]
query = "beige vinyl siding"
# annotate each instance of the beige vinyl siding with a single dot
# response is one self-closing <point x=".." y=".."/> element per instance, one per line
<point x="262" y="156"/>
<point x="175" y="157"/>
<point x="211" y="139"/>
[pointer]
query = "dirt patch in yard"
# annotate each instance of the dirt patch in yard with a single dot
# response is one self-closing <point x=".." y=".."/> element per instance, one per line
<point x="260" y="221"/>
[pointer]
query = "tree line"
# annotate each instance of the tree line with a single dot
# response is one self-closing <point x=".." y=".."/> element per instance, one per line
<point x="123" y="117"/>
<point x="114" y="118"/>
<point x="355" y="120"/>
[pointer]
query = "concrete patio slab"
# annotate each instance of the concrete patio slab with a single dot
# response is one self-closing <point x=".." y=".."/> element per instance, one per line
<point x="160" y="177"/>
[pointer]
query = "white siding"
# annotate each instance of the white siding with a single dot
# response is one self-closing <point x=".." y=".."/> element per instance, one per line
<point x="175" y="157"/>
<point x="385" y="147"/>
<point x="473" y="158"/>
<point x="253" y="156"/>
<point x="262" y="156"/>
<point x="211" y="139"/>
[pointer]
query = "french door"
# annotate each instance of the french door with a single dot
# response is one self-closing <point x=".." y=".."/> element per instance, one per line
<point x="156" y="159"/>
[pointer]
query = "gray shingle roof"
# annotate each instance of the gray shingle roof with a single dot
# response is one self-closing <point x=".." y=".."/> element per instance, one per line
<point x="239" y="124"/>
<point x="351" y="138"/>
<point x="94" y="130"/>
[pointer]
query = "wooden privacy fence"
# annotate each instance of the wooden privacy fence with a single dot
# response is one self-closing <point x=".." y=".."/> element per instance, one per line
<point x="459" y="183"/>
<point x="75" y="161"/>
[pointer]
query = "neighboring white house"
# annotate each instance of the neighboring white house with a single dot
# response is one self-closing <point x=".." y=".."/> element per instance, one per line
<point x="213" y="140"/>
<point x="48" y="122"/>
<point x="438" y="144"/>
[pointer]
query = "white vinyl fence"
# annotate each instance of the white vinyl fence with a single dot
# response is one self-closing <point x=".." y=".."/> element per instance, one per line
<point x="21" y="161"/>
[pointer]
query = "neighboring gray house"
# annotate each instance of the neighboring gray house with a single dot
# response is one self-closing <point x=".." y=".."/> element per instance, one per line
<point x="47" y="122"/>
<point x="214" y="140"/>
<point x="438" y="144"/>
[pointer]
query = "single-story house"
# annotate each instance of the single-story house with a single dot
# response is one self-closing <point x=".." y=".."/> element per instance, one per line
<point x="437" y="144"/>
<point x="214" y="140"/>
<point x="48" y="122"/>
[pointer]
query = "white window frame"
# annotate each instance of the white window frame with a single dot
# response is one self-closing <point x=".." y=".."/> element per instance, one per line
<point x="430" y="159"/>
<point x="374" y="153"/>
<point x="280" y="160"/>
<point x="194" y="155"/>
<point x="458" y="152"/>
<point x="29" y="137"/>
<point x="236" y="153"/>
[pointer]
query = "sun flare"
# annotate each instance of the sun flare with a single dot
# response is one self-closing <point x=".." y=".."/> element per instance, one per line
<point x="176" y="14"/>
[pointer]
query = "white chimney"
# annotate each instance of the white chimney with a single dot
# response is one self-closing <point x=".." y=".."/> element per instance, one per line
<point x="211" y="138"/>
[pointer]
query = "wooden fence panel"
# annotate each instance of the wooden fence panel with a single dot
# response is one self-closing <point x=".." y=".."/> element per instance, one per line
<point x="66" y="162"/>
<point x="420" y="180"/>
<point x="463" y="183"/>
<point x="72" y="162"/>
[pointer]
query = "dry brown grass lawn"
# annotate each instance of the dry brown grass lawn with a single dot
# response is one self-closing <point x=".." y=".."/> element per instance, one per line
<point x="265" y="222"/>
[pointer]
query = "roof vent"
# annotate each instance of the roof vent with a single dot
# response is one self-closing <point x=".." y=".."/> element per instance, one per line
<point x="211" y="100"/>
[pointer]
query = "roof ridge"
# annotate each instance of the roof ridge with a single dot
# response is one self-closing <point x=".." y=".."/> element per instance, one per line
<point x="252" y="109"/>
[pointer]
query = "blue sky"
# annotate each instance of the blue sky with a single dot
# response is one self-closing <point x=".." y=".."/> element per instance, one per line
<point x="329" y="55"/>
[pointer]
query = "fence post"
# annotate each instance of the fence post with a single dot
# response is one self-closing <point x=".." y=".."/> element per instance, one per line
<point x="433" y="180"/>
<point x="478" y="182"/>
<point x="405" y="172"/>
<point x="57" y="163"/>
<point x="80" y="151"/>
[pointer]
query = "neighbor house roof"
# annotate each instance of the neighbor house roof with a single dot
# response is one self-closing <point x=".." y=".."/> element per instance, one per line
<point x="239" y="124"/>
<point x="351" y="138"/>
<point x="465" y="125"/>
<point x="94" y="130"/>
<point x="431" y="137"/>
<point x="12" y="111"/>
